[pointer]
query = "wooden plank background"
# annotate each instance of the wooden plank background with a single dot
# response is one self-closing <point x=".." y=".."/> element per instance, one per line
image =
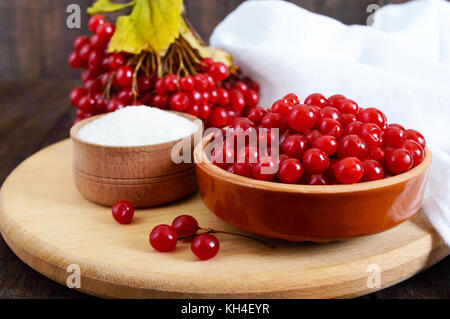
<point x="35" y="41"/>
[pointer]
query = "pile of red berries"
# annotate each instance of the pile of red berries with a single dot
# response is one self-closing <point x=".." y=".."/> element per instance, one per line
<point x="321" y="142"/>
<point x="110" y="83"/>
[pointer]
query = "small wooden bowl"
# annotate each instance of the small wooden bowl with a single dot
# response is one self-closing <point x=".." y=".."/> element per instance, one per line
<point x="143" y="175"/>
<point x="310" y="213"/>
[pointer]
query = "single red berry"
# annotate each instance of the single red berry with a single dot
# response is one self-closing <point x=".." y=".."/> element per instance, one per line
<point x="200" y="82"/>
<point x="317" y="179"/>
<point x="171" y="82"/>
<point x="349" y="170"/>
<point x="292" y="98"/>
<point x="243" y="169"/>
<point x="399" y="161"/>
<point x="328" y="112"/>
<point x="415" y="136"/>
<point x="248" y="154"/>
<point x="282" y="107"/>
<point x="115" y="61"/>
<point x="237" y="100"/>
<point x="160" y="87"/>
<point x="79" y="42"/>
<point x="301" y="118"/>
<point x="352" y="146"/>
<point x="123" y="212"/>
<point x="206" y="62"/>
<point x="265" y="169"/>
<point x="334" y="100"/>
<point x="330" y="127"/>
<point x="95" y="21"/>
<point x="326" y="143"/>
<point x="187" y="83"/>
<point x="373" y="115"/>
<point x="160" y="101"/>
<point x="84" y="52"/>
<point x="185" y="225"/>
<point x="311" y="135"/>
<point x="205" y="246"/>
<point x="205" y="111"/>
<point x="76" y="94"/>
<point x="354" y="128"/>
<point x="105" y="31"/>
<point x="315" y="161"/>
<point x="96" y="43"/>
<point x="416" y="151"/>
<point x="251" y="98"/>
<point x="371" y="135"/>
<point x="295" y="145"/>
<point x="256" y="114"/>
<point x="223" y="97"/>
<point x="273" y="120"/>
<point x="290" y="171"/>
<point x="75" y="61"/>
<point x="347" y="106"/>
<point x="214" y="95"/>
<point x="377" y="154"/>
<point x="126" y="96"/>
<point x="87" y="104"/>
<point x="163" y="238"/>
<point x="372" y="170"/>
<point x="218" y="71"/>
<point x="211" y="83"/>
<point x="223" y="155"/>
<point x="114" y="105"/>
<point x="397" y="125"/>
<point x="179" y="101"/>
<point x="394" y="137"/>
<point x="241" y="86"/>
<point x="317" y="99"/>
<point x="124" y="76"/>
<point x="144" y="83"/>
<point x="218" y="117"/>
<point x="242" y="123"/>
<point x="193" y="110"/>
<point x="346" y="119"/>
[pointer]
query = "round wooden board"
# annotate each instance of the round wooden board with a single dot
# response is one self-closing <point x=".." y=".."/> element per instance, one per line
<point x="50" y="226"/>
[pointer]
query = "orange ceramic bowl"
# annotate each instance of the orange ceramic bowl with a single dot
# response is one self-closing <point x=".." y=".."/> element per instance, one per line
<point x="310" y="213"/>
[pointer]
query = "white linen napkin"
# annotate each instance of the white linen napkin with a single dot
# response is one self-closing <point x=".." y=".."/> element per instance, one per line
<point x="401" y="65"/>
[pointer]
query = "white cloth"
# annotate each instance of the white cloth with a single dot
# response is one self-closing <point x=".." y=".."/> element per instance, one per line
<point x="401" y="65"/>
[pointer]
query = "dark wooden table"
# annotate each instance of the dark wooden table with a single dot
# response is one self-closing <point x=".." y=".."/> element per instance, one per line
<point x="37" y="113"/>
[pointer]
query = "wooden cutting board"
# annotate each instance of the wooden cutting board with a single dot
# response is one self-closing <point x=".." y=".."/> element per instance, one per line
<point x="50" y="226"/>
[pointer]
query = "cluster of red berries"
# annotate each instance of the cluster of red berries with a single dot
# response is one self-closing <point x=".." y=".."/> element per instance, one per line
<point x="321" y="142"/>
<point x="164" y="238"/>
<point x="109" y="83"/>
<point x="213" y="95"/>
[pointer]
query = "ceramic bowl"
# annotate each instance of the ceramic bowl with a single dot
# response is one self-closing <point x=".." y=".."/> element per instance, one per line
<point x="143" y="175"/>
<point x="310" y="213"/>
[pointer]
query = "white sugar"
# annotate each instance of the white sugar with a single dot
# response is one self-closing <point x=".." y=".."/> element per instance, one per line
<point x="136" y="126"/>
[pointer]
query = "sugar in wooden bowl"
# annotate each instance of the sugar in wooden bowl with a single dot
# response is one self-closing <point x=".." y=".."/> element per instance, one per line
<point x="127" y="155"/>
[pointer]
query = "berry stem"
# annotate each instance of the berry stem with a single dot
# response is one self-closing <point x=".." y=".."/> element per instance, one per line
<point x="214" y="231"/>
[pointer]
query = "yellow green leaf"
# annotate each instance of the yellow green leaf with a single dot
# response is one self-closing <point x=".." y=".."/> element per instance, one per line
<point x="152" y="24"/>
<point x="203" y="50"/>
<point x="107" y="6"/>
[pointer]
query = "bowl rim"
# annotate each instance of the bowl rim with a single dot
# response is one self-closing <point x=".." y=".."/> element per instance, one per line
<point x="220" y="173"/>
<point x="77" y="126"/>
